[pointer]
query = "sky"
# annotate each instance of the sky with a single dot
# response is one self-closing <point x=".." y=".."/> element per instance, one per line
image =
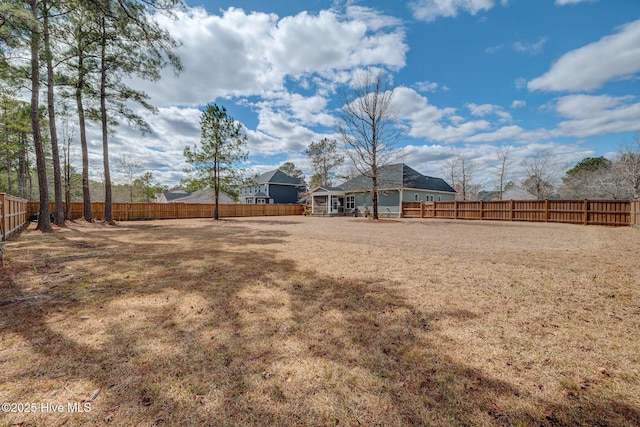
<point x="559" y="77"/>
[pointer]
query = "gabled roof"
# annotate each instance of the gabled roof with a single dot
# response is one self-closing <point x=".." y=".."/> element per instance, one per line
<point x="398" y="176"/>
<point x="203" y="196"/>
<point x="322" y="188"/>
<point x="177" y="194"/>
<point x="278" y="177"/>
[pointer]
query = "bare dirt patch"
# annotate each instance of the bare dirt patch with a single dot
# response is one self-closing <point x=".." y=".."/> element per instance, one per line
<point x="322" y="321"/>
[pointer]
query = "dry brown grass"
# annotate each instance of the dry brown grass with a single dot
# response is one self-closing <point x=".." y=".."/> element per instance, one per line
<point x="323" y="321"/>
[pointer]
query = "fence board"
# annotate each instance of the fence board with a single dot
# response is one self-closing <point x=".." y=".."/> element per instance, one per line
<point x="588" y="212"/>
<point x="139" y="211"/>
<point x="634" y="214"/>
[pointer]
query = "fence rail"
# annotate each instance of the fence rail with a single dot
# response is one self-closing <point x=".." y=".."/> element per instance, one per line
<point x="13" y="215"/>
<point x="139" y="211"/>
<point x="587" y="212"/>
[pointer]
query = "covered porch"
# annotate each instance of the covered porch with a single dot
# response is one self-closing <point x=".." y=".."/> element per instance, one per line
<point x="327" y="201"/>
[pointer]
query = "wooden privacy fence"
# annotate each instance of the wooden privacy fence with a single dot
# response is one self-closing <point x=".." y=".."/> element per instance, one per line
<point x="587" y="212"/>
<point x="139" y="211"/>
<point x="13" y="215"/>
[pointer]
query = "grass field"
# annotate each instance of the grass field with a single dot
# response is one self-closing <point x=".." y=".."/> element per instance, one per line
<point x="321" y="321"/>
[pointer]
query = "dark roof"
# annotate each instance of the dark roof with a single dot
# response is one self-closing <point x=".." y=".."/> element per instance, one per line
<point x="278" y="177"/>
<point x="176" y="195"/>
<point x="398" y="176"/>
<point x="260" y="194"/>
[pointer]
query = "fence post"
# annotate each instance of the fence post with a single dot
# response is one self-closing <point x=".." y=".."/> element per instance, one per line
<point x="421" y="209"/>
<point x="512" y="209"/>
<point x="586" y="211"/>
<point x="3" y="217"/>
<point x="546" y="210"/>
<point x="455" y="209"/>
<point x="481" y="209"/>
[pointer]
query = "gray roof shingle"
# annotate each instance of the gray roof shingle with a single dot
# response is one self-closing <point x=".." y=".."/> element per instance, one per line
<point x="278" y="177"/>
<point x="398" y="176"/>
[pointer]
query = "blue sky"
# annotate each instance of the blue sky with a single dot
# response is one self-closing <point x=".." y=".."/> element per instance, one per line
<point x="543" y="76"/>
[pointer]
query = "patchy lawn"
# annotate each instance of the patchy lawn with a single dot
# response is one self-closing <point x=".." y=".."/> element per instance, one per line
<point x="321" y="321"/>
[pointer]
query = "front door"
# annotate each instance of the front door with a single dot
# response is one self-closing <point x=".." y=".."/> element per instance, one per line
<point x="337" y="204"/>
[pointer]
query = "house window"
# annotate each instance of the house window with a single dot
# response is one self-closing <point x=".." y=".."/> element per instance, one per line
<point x="416" y="197"/>
<point x="249" y="200"/>
<point x="260" y="201"/>
<point x="439" y="198"/>
<point x="350" y="202"/>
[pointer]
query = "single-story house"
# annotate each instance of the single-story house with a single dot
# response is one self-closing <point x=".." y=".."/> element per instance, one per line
<point x="272" y="187"/>
<point x="170" y="196"/>
<point x="201" y="196"/>
<point x="396" y="184"/>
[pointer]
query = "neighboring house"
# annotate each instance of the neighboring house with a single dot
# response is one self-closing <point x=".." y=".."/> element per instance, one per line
<point x="397" y="183"/>
<point x="272" y="187"/>
<point x="201" y="196"/>
<point x="170" y="196"/>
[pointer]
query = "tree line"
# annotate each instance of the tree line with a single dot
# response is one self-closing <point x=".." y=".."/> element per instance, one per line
<point x="542" y="176"/>
<point x="78" y="52"/>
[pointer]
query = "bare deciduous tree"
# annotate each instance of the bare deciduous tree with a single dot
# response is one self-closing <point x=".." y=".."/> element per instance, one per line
<point x="130" y="167"/>
<point x="539" y="170"/>
<point x="460" y="170"/>
<point x="368" y="128"/>
<point x="627" y="167"/>
<point x="504" y="161"/>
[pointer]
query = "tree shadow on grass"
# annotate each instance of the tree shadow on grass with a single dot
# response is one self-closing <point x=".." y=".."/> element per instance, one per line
<point x="232" y="335"/>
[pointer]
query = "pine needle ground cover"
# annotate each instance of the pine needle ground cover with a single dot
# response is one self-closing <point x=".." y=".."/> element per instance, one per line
<point x="321" y="321"/>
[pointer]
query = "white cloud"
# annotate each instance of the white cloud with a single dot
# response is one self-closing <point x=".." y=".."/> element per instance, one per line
<point x="530" y="48"/>
<point x="590" y="67"/>
<point x="488" y="109"/>
<point x="520" y="83"/>
<point x="518" y="103"/>
<point x="565" y="2"/>
<point x="237" y="53"/>
<point x="597" y="115"/>
<point x="500" y="134"/>
<point x="427" y="86"/>
<point x="430" y="122"/>
<point x="430" y="10"/>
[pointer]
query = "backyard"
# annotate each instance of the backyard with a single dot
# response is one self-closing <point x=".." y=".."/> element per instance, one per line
<point x="321" y="321"/>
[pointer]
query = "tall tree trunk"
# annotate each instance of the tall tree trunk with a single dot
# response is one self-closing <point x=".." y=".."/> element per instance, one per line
<point x="67" y="186"/>
<point x="108" y="215"/>
<point x="44" y="224"/>
<point x="216" y="189"/>
<point x="22" y="166"/>
<point x="57" y="179"/>
<point x="9" y="183"/>
<point x="8" y="160"/>
<point x="374" y="195"/>
<point x="86" y="196"/>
